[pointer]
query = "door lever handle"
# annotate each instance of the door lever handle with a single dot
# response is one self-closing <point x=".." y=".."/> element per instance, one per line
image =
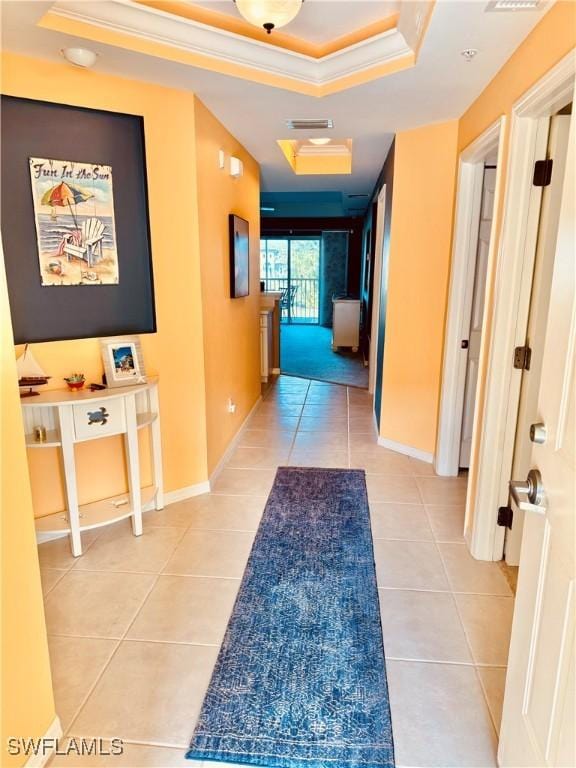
<point x="529" y="494"/>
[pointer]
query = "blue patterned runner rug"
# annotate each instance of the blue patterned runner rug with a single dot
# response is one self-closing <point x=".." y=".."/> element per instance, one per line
<point x="300" y="681"/>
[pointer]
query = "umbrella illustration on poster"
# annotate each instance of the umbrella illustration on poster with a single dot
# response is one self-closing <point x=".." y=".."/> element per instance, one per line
<point x="65" y="195"/>
<point x="75" y="226"/>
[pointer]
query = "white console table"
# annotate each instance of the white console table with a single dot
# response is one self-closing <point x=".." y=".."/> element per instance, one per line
<point x="74" y="417"/>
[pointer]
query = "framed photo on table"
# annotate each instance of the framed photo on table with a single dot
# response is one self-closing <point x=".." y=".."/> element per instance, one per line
<point x="123" y="361"/>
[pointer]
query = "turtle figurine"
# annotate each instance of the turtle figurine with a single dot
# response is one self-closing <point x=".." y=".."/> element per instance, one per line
<point x="98" y="417"/>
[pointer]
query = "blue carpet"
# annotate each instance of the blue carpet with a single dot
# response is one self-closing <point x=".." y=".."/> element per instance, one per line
<point x="300" y="680"/>
<point x="305" y="350"/>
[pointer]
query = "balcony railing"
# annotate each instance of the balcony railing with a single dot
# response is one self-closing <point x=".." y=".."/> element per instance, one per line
<point x="300" y="302"/>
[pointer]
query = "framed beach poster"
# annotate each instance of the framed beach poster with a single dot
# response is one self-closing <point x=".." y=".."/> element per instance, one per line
<point x="74" y="216"/>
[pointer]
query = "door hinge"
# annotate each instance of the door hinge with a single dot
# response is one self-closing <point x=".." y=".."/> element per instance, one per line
<point x="542" y="173"/>
<point x="505" y="516"/>
<point x="522" y="357"/>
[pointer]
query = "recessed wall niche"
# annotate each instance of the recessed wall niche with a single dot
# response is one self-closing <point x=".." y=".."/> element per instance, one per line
<point x="76" y="245"/>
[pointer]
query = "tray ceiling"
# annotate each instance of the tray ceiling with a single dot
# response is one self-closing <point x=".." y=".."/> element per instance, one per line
<point x="191" y="34"/>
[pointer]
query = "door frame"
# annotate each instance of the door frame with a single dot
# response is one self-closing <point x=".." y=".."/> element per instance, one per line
<point x="377" y="276"/>
<point x="464" y="256"/>
<point x="512" y="275"/>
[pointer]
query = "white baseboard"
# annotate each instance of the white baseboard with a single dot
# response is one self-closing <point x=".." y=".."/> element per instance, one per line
<point x="276" y="371"/>
<point x="53" y="732"/>
<point x="232" y="445"/>
<point x="181" y="494"/>
<point x="42" y="538"/>
<point x="407" y="450"/>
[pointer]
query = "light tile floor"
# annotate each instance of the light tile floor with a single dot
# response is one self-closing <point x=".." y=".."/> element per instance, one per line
<point x="135" y="623"/>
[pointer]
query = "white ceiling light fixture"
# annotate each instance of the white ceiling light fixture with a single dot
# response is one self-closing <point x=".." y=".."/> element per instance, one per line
<point x="269" y="14"/>
<point x="80" y="57"/>
<point x="469" y="53"/>
<point x="320" y="142"/>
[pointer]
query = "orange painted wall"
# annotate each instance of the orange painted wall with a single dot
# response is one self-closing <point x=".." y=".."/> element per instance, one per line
<point x="171" y="163"/>
<point x="549" y="42"/>
<point x="193" y="389"/>
<point x="425" y="163"/>
<point x="552" y="39"/>
<point x="420" y="247"/>
<point x="231" y="326"/>
<point x="27" y="701"/>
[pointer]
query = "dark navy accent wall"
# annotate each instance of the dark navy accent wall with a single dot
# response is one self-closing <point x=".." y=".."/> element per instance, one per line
<point x="61" y="132"/>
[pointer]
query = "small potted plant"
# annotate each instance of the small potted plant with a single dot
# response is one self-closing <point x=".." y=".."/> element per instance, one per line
<point x="75" y="381"/>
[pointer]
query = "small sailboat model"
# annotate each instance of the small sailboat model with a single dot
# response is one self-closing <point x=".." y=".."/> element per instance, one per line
<point x="30" y="374"/>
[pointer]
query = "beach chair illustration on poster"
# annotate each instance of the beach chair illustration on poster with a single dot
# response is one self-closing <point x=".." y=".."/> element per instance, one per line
<point x="90" y="245"/>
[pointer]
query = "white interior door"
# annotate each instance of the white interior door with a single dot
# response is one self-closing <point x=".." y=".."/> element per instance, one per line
<point x="538" y="726"/>
<point x="537" y="319"/>
<point x="475" y="333"/>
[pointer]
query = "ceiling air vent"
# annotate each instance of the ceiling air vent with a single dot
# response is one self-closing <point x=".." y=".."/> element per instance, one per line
<point x="310" y="125"/>
<point x="350" y="197"/>
<point x="513" y="5"/>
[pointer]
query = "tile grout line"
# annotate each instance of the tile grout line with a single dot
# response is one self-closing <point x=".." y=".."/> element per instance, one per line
<point x="67" y="539"/>
<point x="156" y="744"/>
<point x="370" y="474"/>
<point x="348" y="427"/>
<point x="467" y="639"/>
<point x="443" y="591"/>
<point x="449" y="662"/>
<point x="45" y="594"/>
<point x="451" y="592"/>
<point x="162" y="572"/>
<point x="155" y="641"/>
<point x="120" y="641"/>
<point x="291" y="450"/>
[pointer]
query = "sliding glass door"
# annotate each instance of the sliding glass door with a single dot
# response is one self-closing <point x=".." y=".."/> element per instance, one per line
<point x="292" y="265"/>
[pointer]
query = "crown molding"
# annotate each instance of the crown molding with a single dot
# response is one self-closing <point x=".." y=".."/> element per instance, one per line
<point x="134" y="26"/>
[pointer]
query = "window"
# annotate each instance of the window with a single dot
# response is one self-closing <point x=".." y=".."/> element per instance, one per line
<point x="292" y="265"/>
